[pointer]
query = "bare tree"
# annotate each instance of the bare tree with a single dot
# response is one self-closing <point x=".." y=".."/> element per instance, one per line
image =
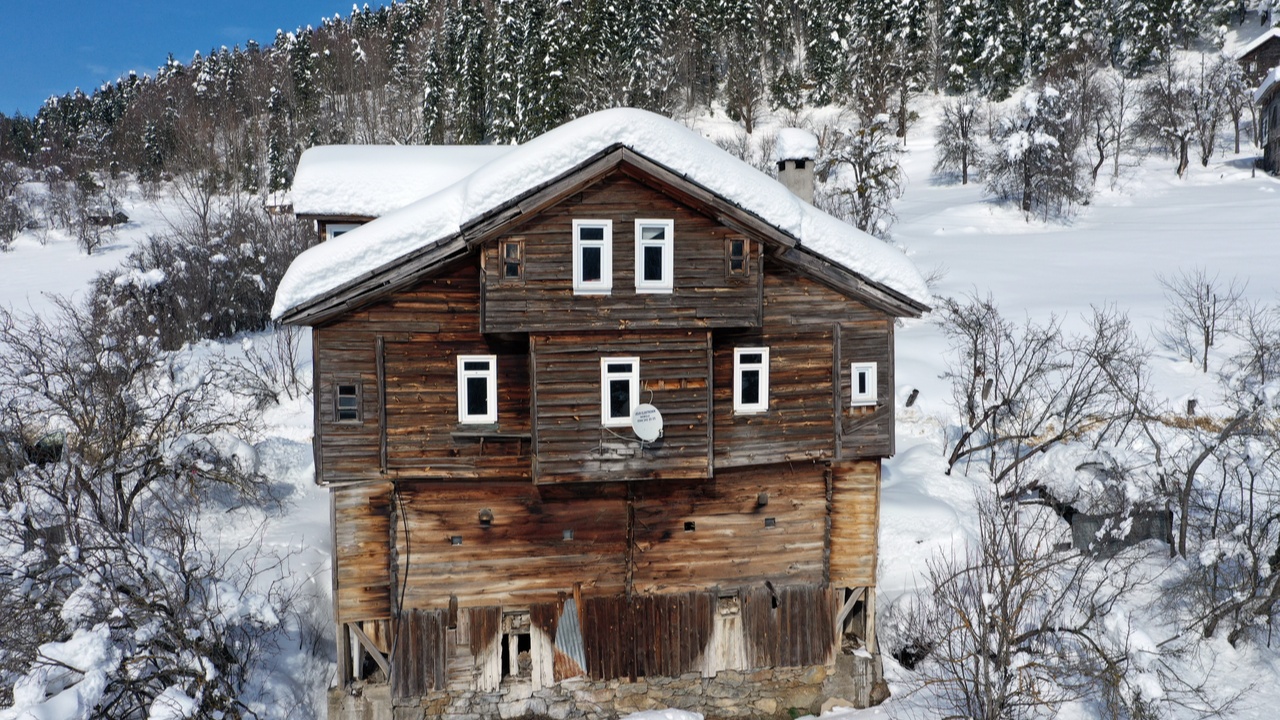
<point x="1022" y="390"/>
<point x="1209" y="102"/>
<point x="113" y="498"/>
<point x="958" y="139"/>
<point x="15" y="213"/>
<point x="1199" y="308"/>
<point x="863" y="176"/>
<point x="1167" y="113"/>
<point x="1017" y="627"/>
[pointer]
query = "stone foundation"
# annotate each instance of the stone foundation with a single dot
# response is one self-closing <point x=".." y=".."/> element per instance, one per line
<point x="730" y="695"/>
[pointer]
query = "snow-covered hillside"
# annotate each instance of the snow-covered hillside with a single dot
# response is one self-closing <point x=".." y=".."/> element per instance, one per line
<point x="1148" y="223"/>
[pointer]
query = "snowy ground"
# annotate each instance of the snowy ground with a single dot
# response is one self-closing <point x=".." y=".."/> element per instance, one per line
<point x="1222" y="218"/>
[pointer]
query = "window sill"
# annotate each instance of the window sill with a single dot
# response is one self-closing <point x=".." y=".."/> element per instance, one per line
<point x="487" y="432"/>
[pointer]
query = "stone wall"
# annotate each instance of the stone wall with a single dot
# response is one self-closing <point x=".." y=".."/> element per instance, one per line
<point x="730" y="695"/>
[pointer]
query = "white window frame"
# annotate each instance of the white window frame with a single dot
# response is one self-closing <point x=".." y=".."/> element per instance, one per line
<point x="491" y="376"/>
<point x="738" y="367"/>
<point x="667" y="243"/>
<point x="857" y="399"/>
<point x="333" y="230"/>
<point x="606" y="376"/>
<point x="604" y="285"/>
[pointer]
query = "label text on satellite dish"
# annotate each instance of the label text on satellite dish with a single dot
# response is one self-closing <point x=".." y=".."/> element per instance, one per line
<point x="646" y="422"/>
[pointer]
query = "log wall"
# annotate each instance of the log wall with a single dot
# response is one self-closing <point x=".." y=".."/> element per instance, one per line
<point x="703" y="295"/>
<point x="362" y="552"/>
<point x="572" y="444"/>
<point x="731" y="543"/>
<point x="855" y="523"/>
<point x="865" y="335"/>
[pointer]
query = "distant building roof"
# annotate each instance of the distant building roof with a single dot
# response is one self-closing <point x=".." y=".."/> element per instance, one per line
<point x="373" y="180"/>
<point x="1272" y="34"/>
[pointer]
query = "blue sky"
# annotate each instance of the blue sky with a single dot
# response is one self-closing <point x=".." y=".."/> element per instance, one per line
<point x="51" y="47"/>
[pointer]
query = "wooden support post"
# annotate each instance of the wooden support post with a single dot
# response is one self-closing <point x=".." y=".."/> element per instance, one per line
<point x="370" y="648"/>
<point x="847" y="608"/>
<point x="871" y="621"/>
<point x="343" y="640"/>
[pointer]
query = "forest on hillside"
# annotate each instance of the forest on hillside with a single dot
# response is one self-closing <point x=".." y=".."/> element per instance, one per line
<point x="500" y="71"/>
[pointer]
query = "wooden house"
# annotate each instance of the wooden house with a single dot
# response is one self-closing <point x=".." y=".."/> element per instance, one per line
<point x="602" y="423"/>
<point x="1267" y="98"/>
<point x="1259" y="56"/>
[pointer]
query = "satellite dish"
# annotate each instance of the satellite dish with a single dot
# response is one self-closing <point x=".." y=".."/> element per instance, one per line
<point x="646" y="422"/>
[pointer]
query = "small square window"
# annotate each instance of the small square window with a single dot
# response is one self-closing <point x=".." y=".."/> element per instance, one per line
<point x="863" y="380"/>
<point x="750" y="380"/>
<point x="655" y="262"/>
<point x="619" y="389"/>
<point x="512" y="252"/>
<point x="347" y="403"/>
<point x="736" y="253"/>
<point x="477" y="389"/>
<point x="592" y="257"/>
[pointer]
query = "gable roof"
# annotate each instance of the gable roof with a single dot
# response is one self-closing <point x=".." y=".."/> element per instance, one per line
<point x="430" y="230"/>
<point x="1258" y="42"/>
<point x="372" y="180"/>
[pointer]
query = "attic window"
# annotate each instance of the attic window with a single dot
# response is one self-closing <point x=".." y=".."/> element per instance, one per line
<point x="736" y="252"/>
<point x="347" y="402"/>
<point x="619" y="389"/>
<point x="863" y="379"/>
<point x="512" y="259"/>
<point x="592" y="257"/>
<point x="655" y="264"/>
<point x="477" y="389"/>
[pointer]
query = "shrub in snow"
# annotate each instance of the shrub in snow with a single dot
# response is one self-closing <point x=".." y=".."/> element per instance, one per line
<point x="1011" y="627"/>
<point x="104" y="539"/>
<point x="211" y="276"/>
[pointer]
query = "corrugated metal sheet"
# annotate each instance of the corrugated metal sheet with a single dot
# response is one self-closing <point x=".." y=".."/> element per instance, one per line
<point x="569" y="635"/>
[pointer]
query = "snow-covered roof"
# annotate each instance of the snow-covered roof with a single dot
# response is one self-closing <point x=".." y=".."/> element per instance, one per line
<point x="373" y="180"/>
<point x="795" y="144"/>
<point x="1258" y="42"/>
<point x="439" y="217"/>
<point x="1267" y="83"/>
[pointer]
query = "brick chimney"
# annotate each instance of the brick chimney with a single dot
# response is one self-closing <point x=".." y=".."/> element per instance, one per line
<point x="796" y="151"/>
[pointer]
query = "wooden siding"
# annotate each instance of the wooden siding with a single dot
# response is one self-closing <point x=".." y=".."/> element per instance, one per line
<point x="572" y="445"/>
<point x="799" y="424"/>
<point x="646" y="634"/>
<point x="789" y="625"/>
<point x="362" y="555"/>
<point x="520" y="558"/>
<point x="855" y="523"/>
<point x="419" y="663"/>
<point x="865" y="335"/>
<point x="422" y="331"/>
<point x="703" y="294"/>
<point x="730" y="546"/>
<point x="423" y="432"/>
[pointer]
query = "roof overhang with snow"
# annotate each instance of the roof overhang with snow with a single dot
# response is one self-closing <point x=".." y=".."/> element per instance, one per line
<point x="396" y="250"/>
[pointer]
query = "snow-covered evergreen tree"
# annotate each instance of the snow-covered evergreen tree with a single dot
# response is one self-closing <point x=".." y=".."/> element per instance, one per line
<point x="1033" y="161"/>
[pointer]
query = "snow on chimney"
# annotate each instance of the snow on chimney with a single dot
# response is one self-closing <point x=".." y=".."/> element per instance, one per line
<point x="796" y="151"/>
